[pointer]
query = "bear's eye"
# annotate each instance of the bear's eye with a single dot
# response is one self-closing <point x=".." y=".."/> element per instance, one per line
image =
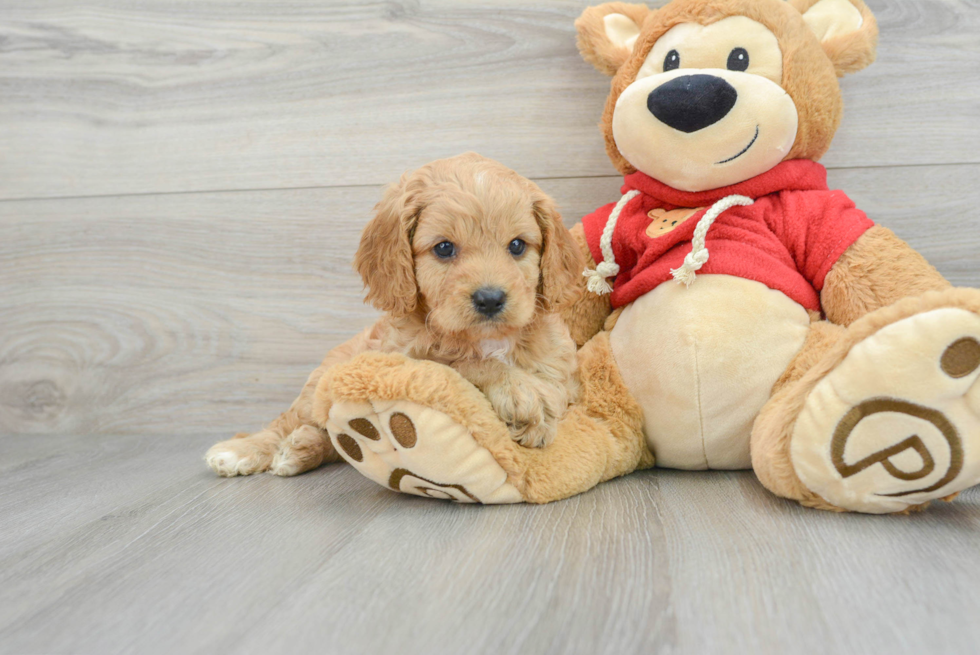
<point x="673" y="60"/>
<point x="517" y="247"/>
<point x="445" y="250"/>
<point x="738" y="59"/>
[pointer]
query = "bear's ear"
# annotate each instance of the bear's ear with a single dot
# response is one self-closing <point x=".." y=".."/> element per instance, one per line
<point x="846" y="29"/>
<point x="607" y="32"/>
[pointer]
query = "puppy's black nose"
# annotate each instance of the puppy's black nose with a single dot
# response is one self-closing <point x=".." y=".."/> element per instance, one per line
<point x="489" y="300"/>
<point x="692" y="102"/>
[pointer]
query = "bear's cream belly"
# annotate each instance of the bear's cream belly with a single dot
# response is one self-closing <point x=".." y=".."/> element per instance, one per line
<point x="701" y="362"/>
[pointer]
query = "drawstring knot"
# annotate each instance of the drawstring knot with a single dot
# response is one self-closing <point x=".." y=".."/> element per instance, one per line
<point x="699" y="251"/>
<point x="597" y="277"/>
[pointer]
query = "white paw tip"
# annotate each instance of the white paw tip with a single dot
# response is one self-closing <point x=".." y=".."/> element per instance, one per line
<point x="222" y="462"/>
<point x="227" y="464"/>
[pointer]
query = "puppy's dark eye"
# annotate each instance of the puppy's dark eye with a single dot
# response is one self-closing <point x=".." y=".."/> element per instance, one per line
<point x="738" y="59"/>
<point x="445" y="250"/>
<point x="672" y="61"/>
<point x="517" y="247"/>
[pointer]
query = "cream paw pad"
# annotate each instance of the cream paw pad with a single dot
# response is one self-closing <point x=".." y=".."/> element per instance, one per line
<point x="897" y="422"/>
<point x="417" y="450"/>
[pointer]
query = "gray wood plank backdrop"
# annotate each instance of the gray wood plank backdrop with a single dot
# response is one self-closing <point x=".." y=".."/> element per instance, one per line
<point x="182" y="186"/>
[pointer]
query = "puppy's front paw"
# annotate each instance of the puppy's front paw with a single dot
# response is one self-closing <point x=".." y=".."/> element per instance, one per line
<point x="520" y="406"/>
<point x="243" y="455"/>
<point x="537" y="436"/>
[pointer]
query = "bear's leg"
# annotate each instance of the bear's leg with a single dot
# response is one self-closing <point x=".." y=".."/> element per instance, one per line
<point x="773" y="426"/>
<point x="418" y="427"/>
<point x="881" y="416"/>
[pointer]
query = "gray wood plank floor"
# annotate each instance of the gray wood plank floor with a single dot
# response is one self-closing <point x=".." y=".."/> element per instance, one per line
<point x="182" y="186"/>
<point x="127" y="545"/>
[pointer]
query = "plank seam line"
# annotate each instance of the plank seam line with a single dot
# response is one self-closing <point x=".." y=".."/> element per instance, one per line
<point x="367" y="186"/>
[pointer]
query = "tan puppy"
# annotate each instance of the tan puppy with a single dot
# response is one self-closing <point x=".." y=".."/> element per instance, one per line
<point x="470" y="262"/>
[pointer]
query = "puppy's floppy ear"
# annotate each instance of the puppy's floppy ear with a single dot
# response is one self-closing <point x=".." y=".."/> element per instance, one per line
<point x="846" y="29"/>
<point x="561" y="259"/>
<point x="607" y="33"/>
<point x="384" y="259"/>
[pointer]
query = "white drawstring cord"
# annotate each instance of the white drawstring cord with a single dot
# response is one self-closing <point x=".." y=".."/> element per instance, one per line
<point x="699" y="253"/>
<point x="607" y="267"/>
<point x="692" y="262"/>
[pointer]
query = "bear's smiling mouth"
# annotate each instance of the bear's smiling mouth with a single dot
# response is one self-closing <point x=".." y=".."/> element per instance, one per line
<point x="744" y="150"/>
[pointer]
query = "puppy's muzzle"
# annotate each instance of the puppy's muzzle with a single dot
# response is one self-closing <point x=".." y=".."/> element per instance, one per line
<point x="692" y="102"/>
<point x="489" y="301"/>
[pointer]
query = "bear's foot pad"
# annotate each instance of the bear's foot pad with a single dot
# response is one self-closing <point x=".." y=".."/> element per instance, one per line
<point x="897" y="422"/>
<point x="414" y="449"/>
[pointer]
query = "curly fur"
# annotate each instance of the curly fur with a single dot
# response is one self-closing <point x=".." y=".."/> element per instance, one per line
<point x="522" y="359"/>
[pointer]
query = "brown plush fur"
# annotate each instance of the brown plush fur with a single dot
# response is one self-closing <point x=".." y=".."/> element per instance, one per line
<point x="773" y="426"/>
<point x="810" y="69"/>
<point x="827" y="347"/>
<point x="592" y="42"/>
<point x="522" y="358"/>
<point x="851" y="52"/>
<point x="597" y="440"/>
<point x="585" y="318"/>
<point x="877" y="270"/>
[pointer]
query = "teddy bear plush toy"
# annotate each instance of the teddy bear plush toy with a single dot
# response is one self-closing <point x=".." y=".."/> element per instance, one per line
<point x="736" y="313"/>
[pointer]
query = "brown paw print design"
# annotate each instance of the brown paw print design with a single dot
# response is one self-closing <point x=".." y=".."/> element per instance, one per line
<point x="417" y="450"/>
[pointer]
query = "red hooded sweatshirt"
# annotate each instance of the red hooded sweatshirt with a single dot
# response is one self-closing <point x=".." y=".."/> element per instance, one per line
<point x="788" y="239"/>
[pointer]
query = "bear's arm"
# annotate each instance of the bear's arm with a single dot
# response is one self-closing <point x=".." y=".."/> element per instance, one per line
<point x="875" y="271"/>
<point x="586" y="316"/>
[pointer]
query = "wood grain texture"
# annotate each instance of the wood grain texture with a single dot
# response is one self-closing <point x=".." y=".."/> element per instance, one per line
<point x="193" y="313"/>
<point x="127" y="544"/>
<point x="123" y="96"/>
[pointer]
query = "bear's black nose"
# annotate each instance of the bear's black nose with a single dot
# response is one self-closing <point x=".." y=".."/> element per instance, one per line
<point x="489" y="301"/>
<point x="692" y="102"/>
